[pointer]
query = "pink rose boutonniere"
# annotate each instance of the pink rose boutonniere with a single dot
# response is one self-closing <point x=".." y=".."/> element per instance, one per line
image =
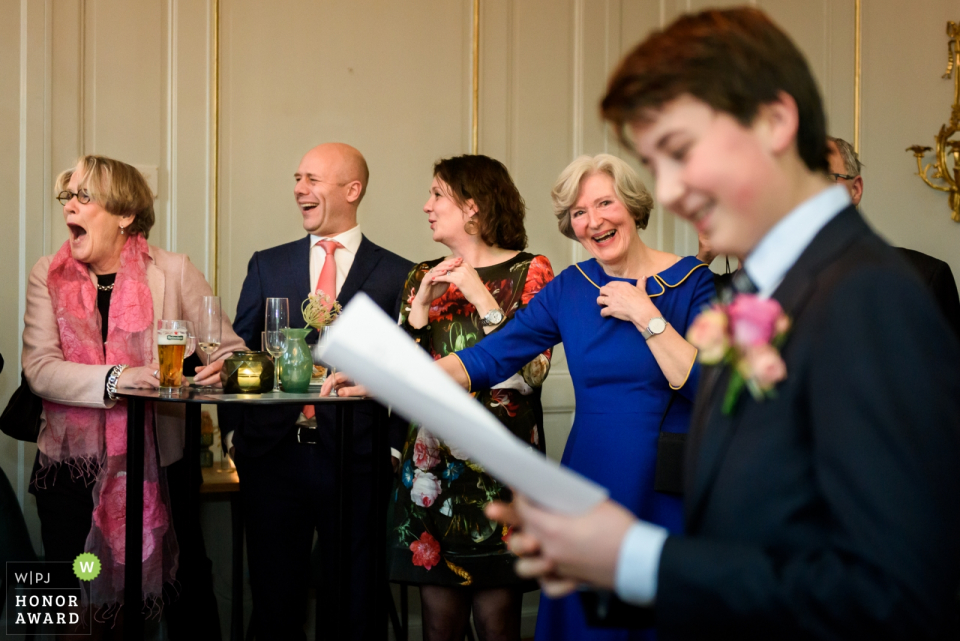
<point x="746" y="334"/>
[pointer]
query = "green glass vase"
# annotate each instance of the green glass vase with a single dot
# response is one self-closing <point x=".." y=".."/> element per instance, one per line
<point x="296" y="362"/>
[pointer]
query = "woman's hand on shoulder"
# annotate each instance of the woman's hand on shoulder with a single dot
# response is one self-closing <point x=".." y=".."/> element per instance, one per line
<point x="627" y="302"/>
<point x="143" y="377"/>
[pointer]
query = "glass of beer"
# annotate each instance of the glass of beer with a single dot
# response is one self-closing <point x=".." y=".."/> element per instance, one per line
<point x="172" y="338"/>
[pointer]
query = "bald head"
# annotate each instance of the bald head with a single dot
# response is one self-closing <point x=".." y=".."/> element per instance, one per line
<point x="331" y="182"/>
<point x="345" y="161"/>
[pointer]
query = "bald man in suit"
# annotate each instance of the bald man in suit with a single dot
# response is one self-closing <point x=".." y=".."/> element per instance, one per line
<point x="284" y="462"/>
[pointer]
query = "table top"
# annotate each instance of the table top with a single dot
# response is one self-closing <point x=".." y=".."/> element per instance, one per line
<point x="216" y="396"/>
<point x="216" y="480"/>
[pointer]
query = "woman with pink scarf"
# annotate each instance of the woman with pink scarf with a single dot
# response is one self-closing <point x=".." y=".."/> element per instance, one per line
<point x="90" y="330"/>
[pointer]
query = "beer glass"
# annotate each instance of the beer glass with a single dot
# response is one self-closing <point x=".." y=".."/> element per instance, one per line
<point x="172" y="337"/>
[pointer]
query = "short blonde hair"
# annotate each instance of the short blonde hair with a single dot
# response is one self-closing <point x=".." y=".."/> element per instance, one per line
<point x="626" y="184"/>
<point x="120" y="188"/>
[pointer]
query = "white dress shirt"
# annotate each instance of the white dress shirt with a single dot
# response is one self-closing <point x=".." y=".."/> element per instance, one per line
<point x="343" y="256"/>
<point x="639" y="560"/>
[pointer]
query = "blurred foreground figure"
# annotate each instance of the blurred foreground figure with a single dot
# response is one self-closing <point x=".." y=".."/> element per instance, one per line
<point x="823" y="504"/>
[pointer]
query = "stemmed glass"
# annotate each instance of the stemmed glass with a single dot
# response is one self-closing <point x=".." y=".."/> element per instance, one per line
<point x="210" y="325"/>
<point x="276" y="320"/>
<point x="191" y="345"/>
<point x="322" y="341"/>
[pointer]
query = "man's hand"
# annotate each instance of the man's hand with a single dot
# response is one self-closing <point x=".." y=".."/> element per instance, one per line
<point x="562" y="550"/>
<point x="343" y="385"/>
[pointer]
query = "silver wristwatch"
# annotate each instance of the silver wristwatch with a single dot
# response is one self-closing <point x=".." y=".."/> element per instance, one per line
<point x="654" y="327"/>
<point x="493" y="318"/>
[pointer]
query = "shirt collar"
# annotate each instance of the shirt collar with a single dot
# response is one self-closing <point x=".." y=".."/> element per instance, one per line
<point x="350" y="239"/>
<point x="776" y="252"/>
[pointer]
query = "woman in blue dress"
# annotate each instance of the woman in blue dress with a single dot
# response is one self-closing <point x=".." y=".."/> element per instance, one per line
<point x="621" y="317"/>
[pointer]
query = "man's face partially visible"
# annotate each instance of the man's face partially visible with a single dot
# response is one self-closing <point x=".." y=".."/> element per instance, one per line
<point x="322" y="200"/>
<point x="854" y="185"/>
<point x="711" y="171"/>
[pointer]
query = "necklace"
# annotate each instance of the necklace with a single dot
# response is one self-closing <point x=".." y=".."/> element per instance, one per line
<point x="105" y="288"/>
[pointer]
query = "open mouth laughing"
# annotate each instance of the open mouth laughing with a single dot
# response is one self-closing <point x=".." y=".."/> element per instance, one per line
<point x="605" y="237"/>
<point x="76" y="231"/>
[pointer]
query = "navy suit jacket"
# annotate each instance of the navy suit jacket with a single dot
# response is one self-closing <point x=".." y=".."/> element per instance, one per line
<point x="284" y="272"/>
<point x="829" y="511"/>
<point x="939" y="279"/>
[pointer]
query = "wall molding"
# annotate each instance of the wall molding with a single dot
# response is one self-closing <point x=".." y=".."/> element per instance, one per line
<point x="172" y="123"/>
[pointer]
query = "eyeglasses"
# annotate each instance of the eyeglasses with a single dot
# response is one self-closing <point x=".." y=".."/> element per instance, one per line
<point x="837" y="177"/>
<point x="83" y="196"/>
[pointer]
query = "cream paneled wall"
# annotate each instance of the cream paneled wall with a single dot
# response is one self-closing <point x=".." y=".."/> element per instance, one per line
<point x="133" y="79"/>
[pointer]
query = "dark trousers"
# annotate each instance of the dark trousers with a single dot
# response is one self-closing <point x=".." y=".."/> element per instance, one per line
<point x="287" y="493"/>
<point x="65" y="507"/>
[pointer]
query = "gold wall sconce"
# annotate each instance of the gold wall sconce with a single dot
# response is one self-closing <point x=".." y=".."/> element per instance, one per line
<point x="948" y="179"/>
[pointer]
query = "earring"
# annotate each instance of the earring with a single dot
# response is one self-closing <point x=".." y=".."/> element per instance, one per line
<point x="121" y="230"/>
<point x="471" y="226"/>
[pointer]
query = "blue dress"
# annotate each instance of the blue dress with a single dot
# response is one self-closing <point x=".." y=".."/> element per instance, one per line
<point x="621" y="394"/>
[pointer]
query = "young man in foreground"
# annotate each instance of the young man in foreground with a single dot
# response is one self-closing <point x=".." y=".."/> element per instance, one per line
<point x="827" y="508"/>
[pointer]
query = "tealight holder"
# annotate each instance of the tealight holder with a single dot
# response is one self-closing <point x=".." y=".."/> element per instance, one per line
<point x="247" y="372"/>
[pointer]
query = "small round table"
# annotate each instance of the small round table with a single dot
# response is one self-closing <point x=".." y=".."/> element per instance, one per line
<point x="332" y="611"/>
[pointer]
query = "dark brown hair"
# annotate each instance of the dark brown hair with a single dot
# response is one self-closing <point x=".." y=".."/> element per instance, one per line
<point x="500" y="208"/>
<point x="734" y="60"/>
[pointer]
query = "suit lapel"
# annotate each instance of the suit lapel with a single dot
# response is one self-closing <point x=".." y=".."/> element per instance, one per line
<point x="711" y="431"/>
<point x="298" y="268"/>
<point x="368" y="255"/>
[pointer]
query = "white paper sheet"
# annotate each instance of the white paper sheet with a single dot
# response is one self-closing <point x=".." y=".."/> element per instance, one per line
<point x="368" y="346"/>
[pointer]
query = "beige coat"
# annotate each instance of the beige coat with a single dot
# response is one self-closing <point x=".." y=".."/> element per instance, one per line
<point x="178" y="289"/>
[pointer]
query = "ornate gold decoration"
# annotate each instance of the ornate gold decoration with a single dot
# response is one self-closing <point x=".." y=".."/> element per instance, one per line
<point x="946" y="148"/>
<point x="215" y="151"/>
<point x="857" y="75"/>
<point x="475" y="116"/>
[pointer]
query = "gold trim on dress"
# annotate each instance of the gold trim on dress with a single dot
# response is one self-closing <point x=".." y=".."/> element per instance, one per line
<point x="656" y="277"/>
<point x="466" y="373"/>
<point x="587" y="277"/>
<point x="690" y="369"/>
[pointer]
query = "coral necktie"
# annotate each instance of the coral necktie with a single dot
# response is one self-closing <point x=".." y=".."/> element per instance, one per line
<point x="326" y="283"/>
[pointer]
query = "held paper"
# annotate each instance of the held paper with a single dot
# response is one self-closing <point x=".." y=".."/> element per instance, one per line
<point x="374" y="351"/>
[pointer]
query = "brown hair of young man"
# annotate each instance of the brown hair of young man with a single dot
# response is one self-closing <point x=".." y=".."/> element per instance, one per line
<point x="500" y="208"/>
<point x="734" y="60"/>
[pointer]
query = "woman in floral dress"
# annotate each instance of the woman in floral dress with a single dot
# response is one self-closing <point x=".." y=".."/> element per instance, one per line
<point x="439" y="537"/>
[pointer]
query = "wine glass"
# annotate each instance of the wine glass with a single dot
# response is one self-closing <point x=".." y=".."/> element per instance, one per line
<point x="321" y="344"/>
<point x="210" y="325"/>
<point x="276" y="320"/>
<point x="191" y="345"/>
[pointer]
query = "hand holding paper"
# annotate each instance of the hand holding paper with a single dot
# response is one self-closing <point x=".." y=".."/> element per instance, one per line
<point x="378" y="355"/>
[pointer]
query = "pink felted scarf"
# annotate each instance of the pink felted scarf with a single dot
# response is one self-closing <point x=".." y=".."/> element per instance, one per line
<point x="93" y="442"/>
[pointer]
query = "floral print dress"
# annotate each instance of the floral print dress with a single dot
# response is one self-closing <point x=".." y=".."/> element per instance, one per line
<point x="438" y="533"/>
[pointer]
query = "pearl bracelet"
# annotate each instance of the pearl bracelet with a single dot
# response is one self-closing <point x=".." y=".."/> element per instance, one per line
<point x="112" y="381"/>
